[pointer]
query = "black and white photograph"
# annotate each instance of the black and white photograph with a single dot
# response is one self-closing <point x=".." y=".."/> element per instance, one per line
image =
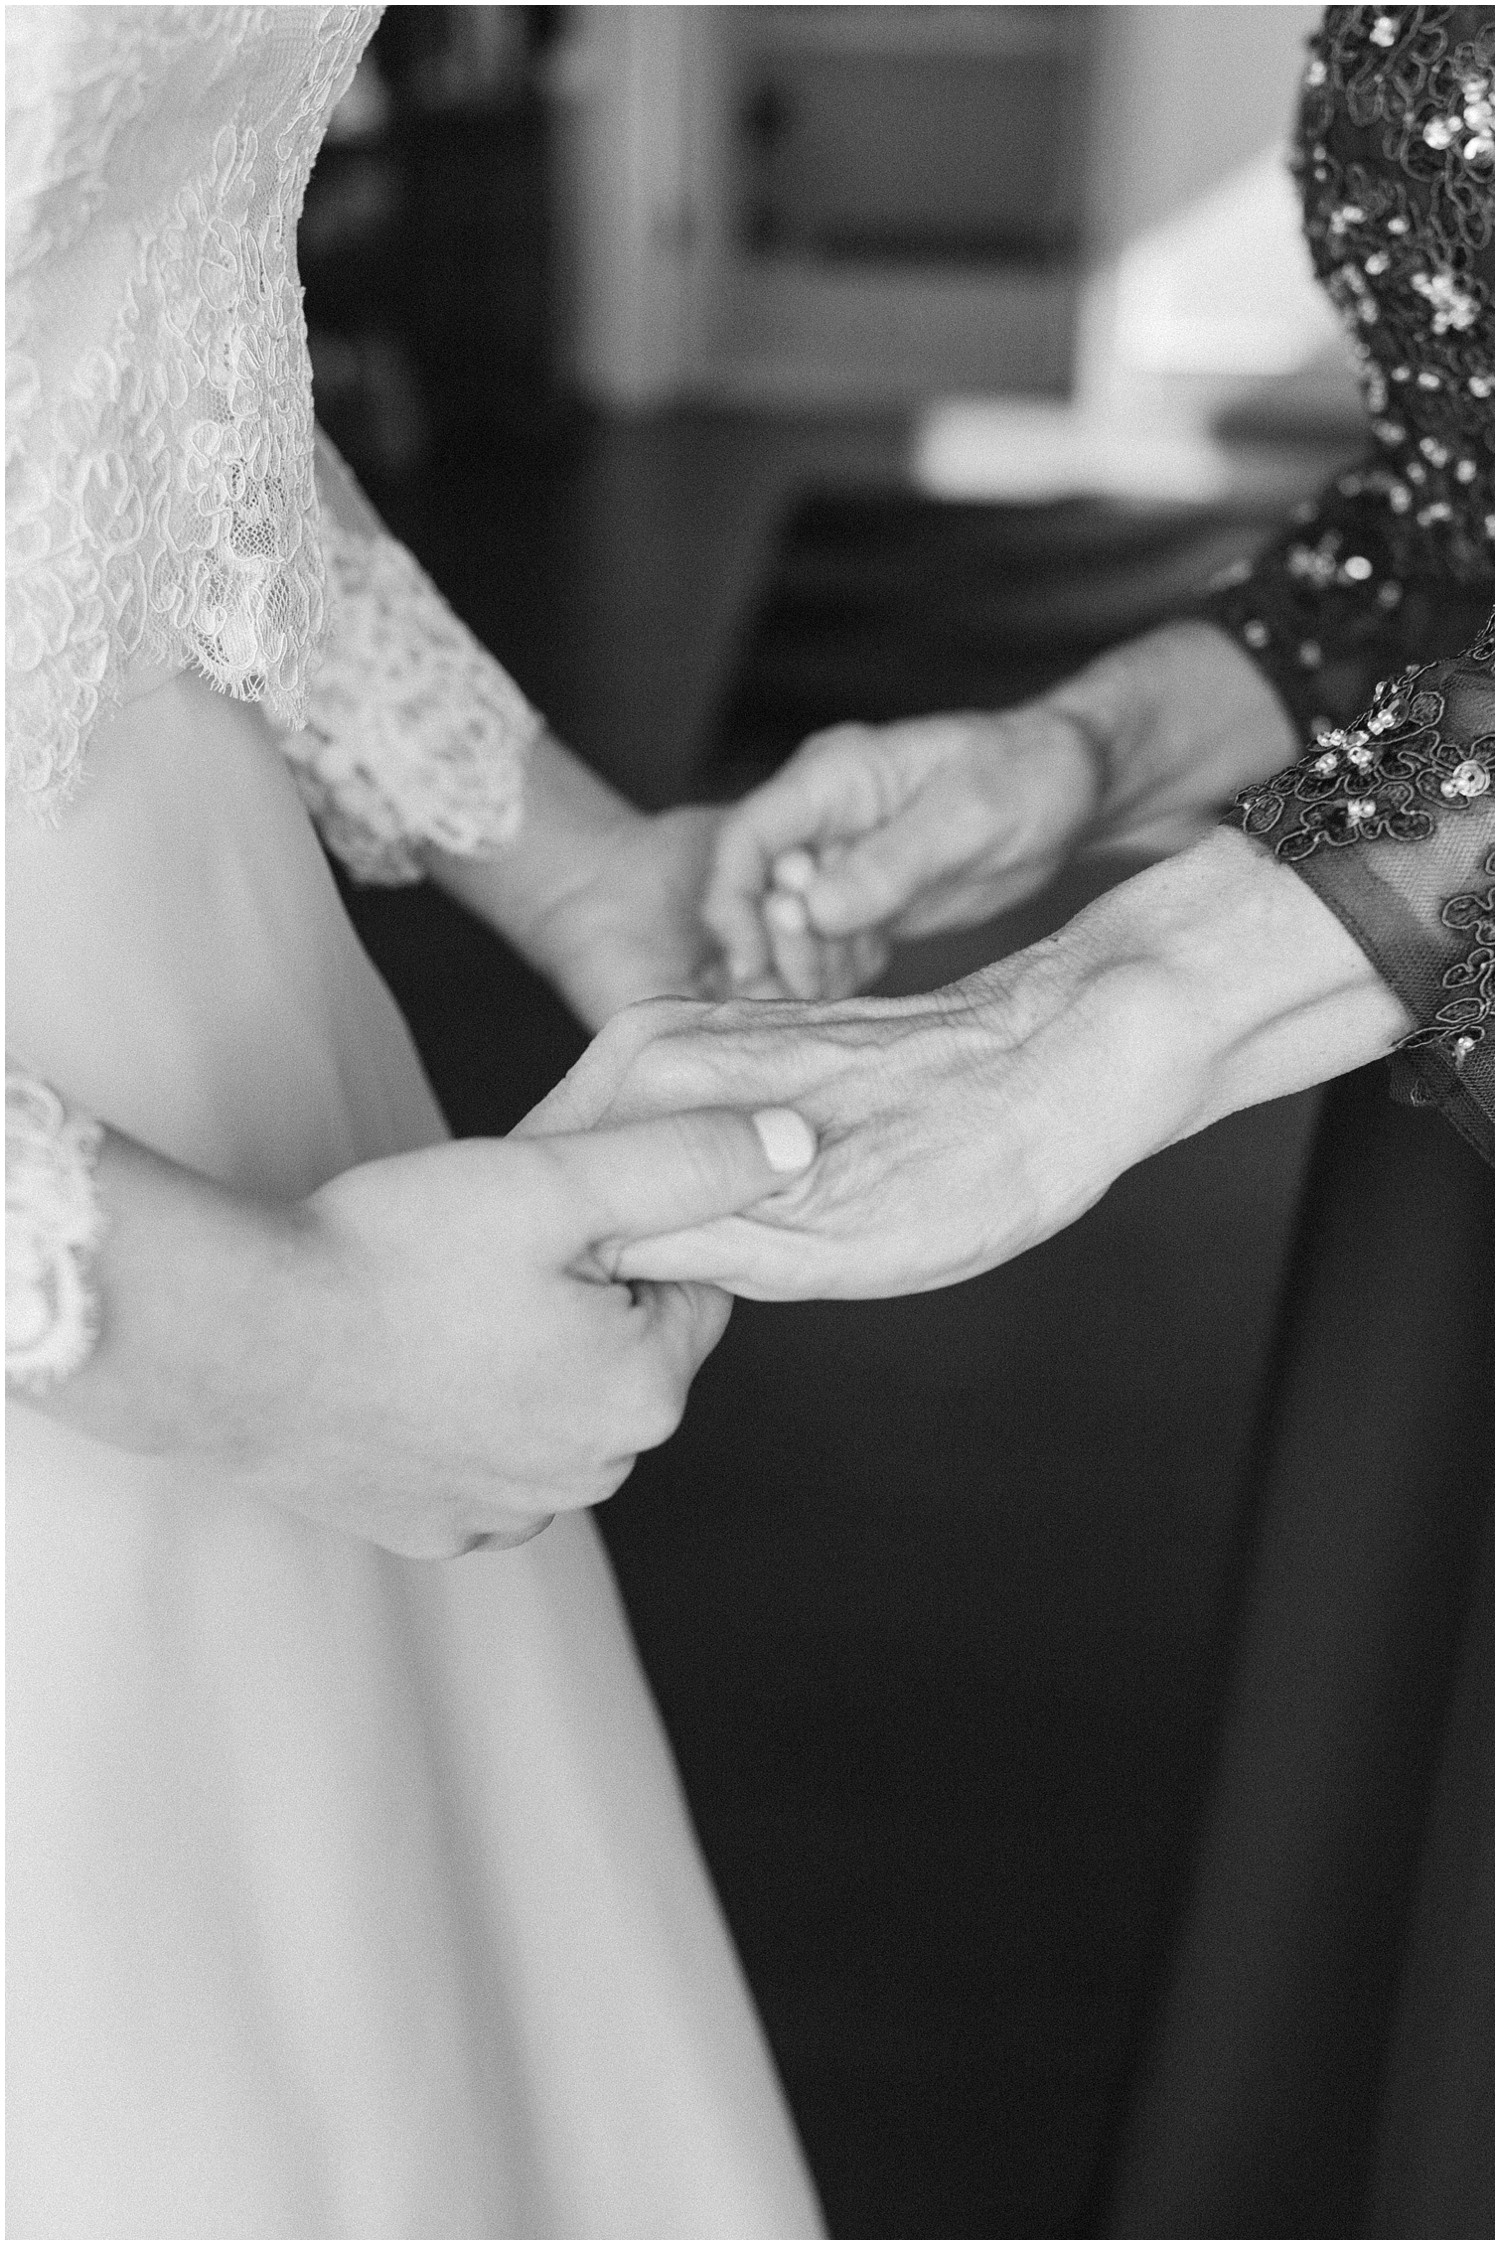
<point x="750" y="1066"/>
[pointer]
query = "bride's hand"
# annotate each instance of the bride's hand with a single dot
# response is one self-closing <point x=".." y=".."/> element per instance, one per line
<point x="956" y="1130"/>
<point x="629" y="926"/>
<point x="602" y="899"/>
<point x="433" y="1350"/>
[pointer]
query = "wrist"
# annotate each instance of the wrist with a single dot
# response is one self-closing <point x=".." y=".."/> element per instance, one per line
<point x="1179" y="722"/>
<point x="1094" y="1064"/>
<point x="1259" y="989"/>
<point x="215" y="1313"/>
<point x="1206" y="984"/>
<point x="533" y="890"/>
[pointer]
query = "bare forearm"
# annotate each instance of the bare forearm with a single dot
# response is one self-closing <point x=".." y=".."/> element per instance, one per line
<point x="209" y="1308"/>
<point x="570" y="817"/>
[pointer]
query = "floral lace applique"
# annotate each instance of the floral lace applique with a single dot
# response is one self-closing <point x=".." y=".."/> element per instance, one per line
<point x="160" y="502"/>
<point x="1380" y="780"/>
<point x="53" y="1223"/>
<point x="1465" y="1020"/>
<point x="414" y="734"/>
<point x="1391" y="778"/>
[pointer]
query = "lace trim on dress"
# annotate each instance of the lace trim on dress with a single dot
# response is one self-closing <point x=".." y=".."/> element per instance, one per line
<point x="415" y="735"/>
<point x="1465" y="1020"/>
<point x="53" y="1223"/>
<point x="159" y="486"/>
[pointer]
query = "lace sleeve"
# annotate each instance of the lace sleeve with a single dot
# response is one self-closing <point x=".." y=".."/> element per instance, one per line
<point x="53" y="1224"/>
<point x="415" y="735"/>
<point x="1418" y="769"/>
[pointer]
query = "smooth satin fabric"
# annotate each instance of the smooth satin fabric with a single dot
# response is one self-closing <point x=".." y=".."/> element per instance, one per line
<point x="348" y="1895"/>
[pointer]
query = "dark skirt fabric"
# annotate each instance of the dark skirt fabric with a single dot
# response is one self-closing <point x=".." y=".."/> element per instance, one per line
<point x="1322" y="2060"/>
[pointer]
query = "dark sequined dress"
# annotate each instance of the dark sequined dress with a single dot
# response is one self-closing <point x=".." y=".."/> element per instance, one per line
<point x="1320" y="2062"/>
<point x="1372" y="616"/>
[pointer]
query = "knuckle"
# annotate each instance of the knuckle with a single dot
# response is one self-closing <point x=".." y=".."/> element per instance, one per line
<point x="635" y="1025"/>
<point x="704" y="1159"/>
<point x="600" y="1485"/>
<point x="541" y="1178"/>
<point x="656" y="1404"/>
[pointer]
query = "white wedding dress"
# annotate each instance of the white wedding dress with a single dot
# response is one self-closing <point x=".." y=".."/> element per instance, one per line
<point x="347" y="1895"/>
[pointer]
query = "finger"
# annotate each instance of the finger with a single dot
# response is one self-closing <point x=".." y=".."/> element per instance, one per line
<point x="795" y="951"/>
<point x="795" y="870"/>
<point x="808" y="799"/>
<point x="871" y="956"/>
<point x="689" y="1320"/>
<point x="739" y="1256"/>
<point x="585" y="1092"/>
<point x="507" y="1539"/>
<point x="674" y="1327"/>
<point x="674" y="1171"/>
<point x="850" y="964"/>
<point x="876" y="878"/>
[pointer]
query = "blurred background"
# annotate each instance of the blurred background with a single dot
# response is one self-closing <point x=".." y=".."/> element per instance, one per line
<point x="734" y="371"/>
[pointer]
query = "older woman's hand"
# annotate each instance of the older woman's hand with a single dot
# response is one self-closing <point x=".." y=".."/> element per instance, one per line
<point x="873" y="834"/>
<point x="956" y="1130"/>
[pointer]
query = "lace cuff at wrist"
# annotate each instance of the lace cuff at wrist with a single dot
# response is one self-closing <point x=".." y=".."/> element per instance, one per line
<point x="53" y="1223"/>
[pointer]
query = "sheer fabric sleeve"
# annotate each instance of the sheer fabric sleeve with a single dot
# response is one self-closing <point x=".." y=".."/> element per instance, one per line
<point x="415" y="735"/>
<point x="1392" y="822"/>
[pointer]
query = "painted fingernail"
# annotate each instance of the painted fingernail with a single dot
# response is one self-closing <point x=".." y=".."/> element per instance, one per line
<point x="795" y="869"/>
<point x="789" y="1142"/>
<point x="788" y="913"/>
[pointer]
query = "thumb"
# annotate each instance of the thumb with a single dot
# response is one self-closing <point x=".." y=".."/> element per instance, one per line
<point x="675" y="1171"/>
<point x="877" y="878"/>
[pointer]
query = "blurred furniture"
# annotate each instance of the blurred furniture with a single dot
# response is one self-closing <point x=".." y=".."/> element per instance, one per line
<point x="822" y="206"/>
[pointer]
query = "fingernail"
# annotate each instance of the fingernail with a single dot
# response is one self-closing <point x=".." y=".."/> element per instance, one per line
<point x="795" y="869"/>
<point x="789" y="1142"/>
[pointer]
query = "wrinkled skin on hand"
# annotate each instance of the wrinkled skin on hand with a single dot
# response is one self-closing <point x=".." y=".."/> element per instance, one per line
<point x="873" y="834"/>
<point x="954" y="1130"/>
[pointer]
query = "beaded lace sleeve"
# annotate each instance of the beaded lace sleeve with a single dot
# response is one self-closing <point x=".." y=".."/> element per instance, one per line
<point x="53" y="1224"/>
<point x="1364" y="614"/>
<point x="1392" y="822"/>
<point x="414" y="735"/>
<point x="1394" y="562"/>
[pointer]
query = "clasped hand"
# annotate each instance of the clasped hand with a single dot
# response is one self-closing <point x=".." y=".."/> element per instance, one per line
<point x="470" y="1356"/>
<point x="954" y="1129"/>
